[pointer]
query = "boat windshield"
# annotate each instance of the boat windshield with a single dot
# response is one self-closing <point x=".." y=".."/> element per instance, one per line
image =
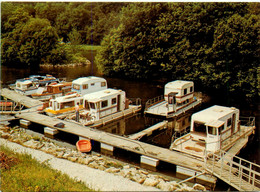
<point x="199" y="127"/>
<point x="92" y="105"/>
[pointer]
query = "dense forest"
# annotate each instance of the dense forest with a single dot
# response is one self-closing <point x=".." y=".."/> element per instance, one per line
<point x="214" y="44"/>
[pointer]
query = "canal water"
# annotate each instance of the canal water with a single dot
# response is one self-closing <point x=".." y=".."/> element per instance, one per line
<point x="144" y="90"/>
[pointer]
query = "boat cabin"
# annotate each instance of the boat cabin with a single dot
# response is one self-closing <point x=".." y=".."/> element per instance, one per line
<point x="105" y="102"/>
<point x="214" y="125"/>
<point x="179" y="92"/>
<point x="85" y="85"/>
<point x="28" y="86"/>
<point x="64" y="104"/>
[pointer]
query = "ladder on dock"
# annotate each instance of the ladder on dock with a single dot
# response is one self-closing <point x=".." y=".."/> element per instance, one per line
<point x="241" y="174"/>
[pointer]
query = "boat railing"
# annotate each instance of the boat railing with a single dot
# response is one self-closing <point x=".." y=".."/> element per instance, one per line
<point x="154" y="101"/>
<point x="247" y="121"/>
<point x="238" y="172"/>
<point x="8" y="106"/>
<point x="135" y="101"/>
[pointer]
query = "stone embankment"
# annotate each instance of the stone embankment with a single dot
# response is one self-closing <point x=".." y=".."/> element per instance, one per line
<point x="95" y="161"/>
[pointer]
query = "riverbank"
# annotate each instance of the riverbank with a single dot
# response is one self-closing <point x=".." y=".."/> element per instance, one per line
<point x="96" y="171"/>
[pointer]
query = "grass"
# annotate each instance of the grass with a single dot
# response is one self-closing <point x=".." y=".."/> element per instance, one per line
<point x="20" y="172"/>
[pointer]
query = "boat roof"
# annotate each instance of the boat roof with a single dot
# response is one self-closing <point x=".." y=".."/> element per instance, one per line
<point x="68" y="97"/>
<point x="213" y="113"/>
<point x="83" y="80"/>
<point x="26" y="82"/>
<point x="179" y="84"/>
<point x="97" y="96"/>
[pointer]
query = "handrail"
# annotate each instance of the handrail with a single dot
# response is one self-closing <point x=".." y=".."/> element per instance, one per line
<point x="153" y="101"/>
<point x="247" y="121"/>
<point x="246" y="171"/>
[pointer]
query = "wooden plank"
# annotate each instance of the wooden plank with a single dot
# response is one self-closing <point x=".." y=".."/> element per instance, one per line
<point x="24" y="100"/>
<point x="117" y="141"/>
<point x="148" y="131"/>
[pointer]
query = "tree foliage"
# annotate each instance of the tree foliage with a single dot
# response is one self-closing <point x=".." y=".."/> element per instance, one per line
<point x="213" y="44"/>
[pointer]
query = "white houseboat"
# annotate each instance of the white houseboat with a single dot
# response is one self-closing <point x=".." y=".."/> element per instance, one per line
<point x="107" y="105"/>
<point x="64" y="104"/>
<point x="30" y="85"/>
<point x="213" y="129"/>
<point x="80" y="87"/>
<point x="178" y="98"/>
<point x="85" y="85"/>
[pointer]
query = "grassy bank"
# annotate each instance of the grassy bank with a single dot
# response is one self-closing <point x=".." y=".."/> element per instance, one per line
<point x="19" y="172"/>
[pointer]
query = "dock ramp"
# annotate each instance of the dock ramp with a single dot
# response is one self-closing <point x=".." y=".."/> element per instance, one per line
<point x="241" y="174"/>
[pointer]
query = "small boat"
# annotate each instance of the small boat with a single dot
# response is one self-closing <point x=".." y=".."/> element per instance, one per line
<point x="84" y="145"/>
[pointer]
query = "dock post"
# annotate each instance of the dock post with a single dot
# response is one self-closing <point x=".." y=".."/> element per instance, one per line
<point x="149" y="162"/>
<point x="50" y="132"/>
<point x="107" y="149"/>
<point x="24" y="123"/>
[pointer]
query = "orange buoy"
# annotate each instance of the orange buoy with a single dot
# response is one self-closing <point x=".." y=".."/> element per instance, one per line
<point x="84" y="145"/>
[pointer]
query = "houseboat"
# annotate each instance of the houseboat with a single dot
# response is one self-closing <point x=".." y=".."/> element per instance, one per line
<point x="178" y="98"/>
<point x="85" y="85"/>
<point x="52" y="90"/>
<point x="102" y="104"/>
<point x="64" y="104"/>
<point x="30" y="85"/>
<point x="213" y="129"/>
<point x="80" y="87"/>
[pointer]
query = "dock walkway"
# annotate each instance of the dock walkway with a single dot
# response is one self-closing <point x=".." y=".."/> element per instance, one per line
<point x="138" y="147"/>
<point x="21" y="99"/>
<point x="148" y="131"/>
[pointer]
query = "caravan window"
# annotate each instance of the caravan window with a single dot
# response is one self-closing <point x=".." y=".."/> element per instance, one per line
<point x="103" y="84"/>
<point x="229" y="122"/>
<point x="212" y="130"/>
<point x="113" y="101"/>
<point x="92" y="105"/>
<point x="191" y="89"/>
<point x="185" y="91"/>
<point x="75" y="86"/>
<point x="85" y="86"/>
<point x="104" y="104"/>
<point x="199" y="127"/>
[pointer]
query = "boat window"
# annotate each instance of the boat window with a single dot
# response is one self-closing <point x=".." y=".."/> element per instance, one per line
<point x="191" y="89"/>
<point x="68" y="104"/>
<point x="92" y="84"/>
<point x="185" y="91"/>
<point x="85" y="86"/>
<point x="113" y="101"/>
<point x="75" y="86"/>
<point x="212" y="130"/>
<point x="92" y="105"/>
<point x="221" y="128"/>
<point x="199" y="127"/>
<point x="18" y="85"/>
<point x="229" y="122"/>
<point x="103" y="84"/>
<point x="81" y="102"/>
<point x="104" y="104"/>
